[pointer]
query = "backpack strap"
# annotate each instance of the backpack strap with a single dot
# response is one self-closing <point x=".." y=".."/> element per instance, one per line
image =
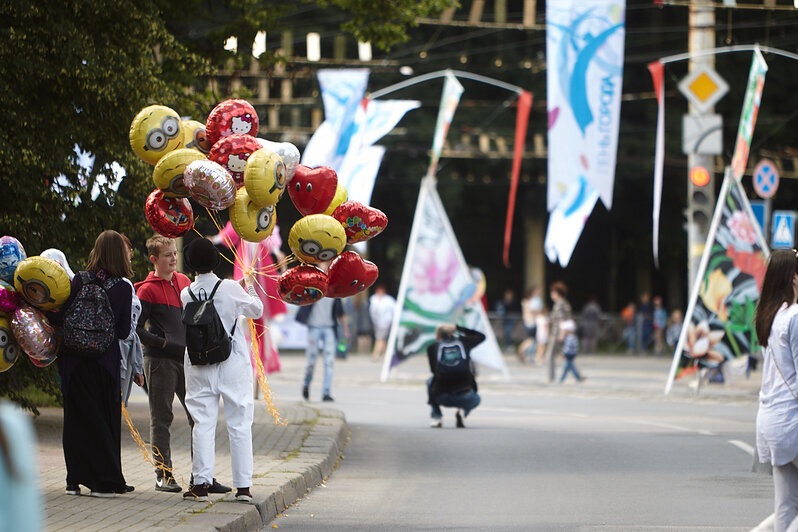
<point x="213" y="292"/>
<point x="215" y="287"/>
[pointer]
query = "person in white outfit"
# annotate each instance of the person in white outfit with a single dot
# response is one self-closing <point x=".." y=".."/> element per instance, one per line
<point x="776" y="322"/>
<point x="381" y="307"/>
<point x="230" y="380"/>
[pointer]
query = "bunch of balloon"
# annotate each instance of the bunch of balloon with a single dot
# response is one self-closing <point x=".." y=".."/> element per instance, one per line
<point x="318" y="239"/>
<point x="28" y="287"/>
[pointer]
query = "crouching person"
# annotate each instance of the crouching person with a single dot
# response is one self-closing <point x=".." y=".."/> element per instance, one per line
<point x="452" y="383"/>
<point x="217" y="365"/>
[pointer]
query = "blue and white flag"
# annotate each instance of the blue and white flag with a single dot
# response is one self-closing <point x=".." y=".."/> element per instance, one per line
<point x="584" y="56"/>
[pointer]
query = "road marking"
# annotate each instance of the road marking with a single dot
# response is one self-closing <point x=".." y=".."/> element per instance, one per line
<point x="661" y="425"/>
<point x="743" y="446"/>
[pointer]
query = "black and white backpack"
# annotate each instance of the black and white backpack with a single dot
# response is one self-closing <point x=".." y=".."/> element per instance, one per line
<point x="89" y="326"/>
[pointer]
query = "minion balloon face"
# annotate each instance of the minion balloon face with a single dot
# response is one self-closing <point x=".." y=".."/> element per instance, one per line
<point x="155" y="131"/>
<point x="251" y="221"/>
<point x="168" y="173"/>
<point x="317" y="238"/>
<point x="9" y="349"/>
<point x="42" y="282"/>
<point x="265" y="177"/>
<point x="195" y="137"/>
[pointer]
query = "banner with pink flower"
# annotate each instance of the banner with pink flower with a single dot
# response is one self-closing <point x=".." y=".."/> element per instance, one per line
<point x="437" y="287"/>
<point x="719" y="322"/>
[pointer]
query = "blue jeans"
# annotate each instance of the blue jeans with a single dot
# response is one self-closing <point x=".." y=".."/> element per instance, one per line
<point x="569" y="366"/>
<point x="466" y="401"/>
<point x="320" y="339"/>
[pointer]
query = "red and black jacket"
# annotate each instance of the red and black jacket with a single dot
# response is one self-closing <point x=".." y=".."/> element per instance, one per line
<point x="161" y="316"/>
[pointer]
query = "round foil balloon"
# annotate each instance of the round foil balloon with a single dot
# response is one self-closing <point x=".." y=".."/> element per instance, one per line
<point x="169" y="172"/>
<point x="34" y="333"/>
<point x="210" y="185"/>
<point x="231" y="117"/>
<point x="42" y="363"/>
<point x="264" y="177"/>
<point x="9" y="349"/>
<point x="349" y="274"/>
<point x="251" y="221"/>
<point x="316" y="238"/>
<point x="11" y="254"/>
<point x="194" y="136"/>
<point x="287" y="152"/>
<point x="360" y="222"/>
<point x="233" y="152"/>
<point x="302" y="285"/>
<point x="339" y="198"/>
<point x="9" y="298"/>
<point x="155" y="131"/>
<point x="42" y="282"/>
<point x="171" y="217"/>
<point x="58" y="256"/>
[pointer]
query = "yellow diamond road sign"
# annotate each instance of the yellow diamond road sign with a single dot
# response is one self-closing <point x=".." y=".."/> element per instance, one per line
<point x="703" y="87"/>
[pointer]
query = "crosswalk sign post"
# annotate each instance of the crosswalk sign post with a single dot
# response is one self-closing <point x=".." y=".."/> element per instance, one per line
<point x="783" y="225"/>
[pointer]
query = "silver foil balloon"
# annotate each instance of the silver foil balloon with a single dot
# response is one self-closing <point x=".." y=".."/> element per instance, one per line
<point x="210" y="184"/>
<point x="34" y="334"/>
<point x="287" y="151"/>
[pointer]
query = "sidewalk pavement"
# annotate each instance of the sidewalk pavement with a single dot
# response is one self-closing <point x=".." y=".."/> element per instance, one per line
<point x="289" y="460"/>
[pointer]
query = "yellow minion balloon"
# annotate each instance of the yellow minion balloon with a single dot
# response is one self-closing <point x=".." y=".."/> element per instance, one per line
<point x="42" y="282"/>
<point x="155" y="131"/>
<point x="340" y="196"/>
<point x="251" y="221"/>
<point x="9" y="349"/>
<point x="194" y="136"/>
<point x="168" y="173"/>
<point x="317" y="238"/>
<point x="264" y="177"/>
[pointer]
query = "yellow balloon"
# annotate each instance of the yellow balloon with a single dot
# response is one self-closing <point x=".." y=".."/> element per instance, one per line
<point x="42" y="282"/>
<point x="265" y="177"/>
<point x="340" y="196"/>
<point x="251" y="221"/>
<point x="194" y="136"/>
<point x="168" y="173"/>
<point x="317" y="238"/>
<point x="155" y="131"/>
<point x="9" y="348"/>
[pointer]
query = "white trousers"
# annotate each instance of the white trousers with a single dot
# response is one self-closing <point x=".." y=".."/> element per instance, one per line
<point x="231" y="381"/>
<point x="785" y="482"/>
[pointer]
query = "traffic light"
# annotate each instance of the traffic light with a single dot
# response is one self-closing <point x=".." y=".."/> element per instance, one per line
<point x="700" y="205"/>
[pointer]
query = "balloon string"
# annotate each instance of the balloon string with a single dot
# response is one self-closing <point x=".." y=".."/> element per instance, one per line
<point x="268" y="395"/>
<point x="148" y="450"/>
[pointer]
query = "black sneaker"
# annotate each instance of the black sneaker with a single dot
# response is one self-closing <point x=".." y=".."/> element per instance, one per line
<point x="72" y="489"/>
<point x="198" y="493"/>
<point x="244" y="495"/>
<point x="219" y="488"/>
<point x="125" y="489"/>
<point x="168" y="484"/>
<point x="328" y="398"/>
<point x="305" y="393"/>
<point x="459" y="418"/>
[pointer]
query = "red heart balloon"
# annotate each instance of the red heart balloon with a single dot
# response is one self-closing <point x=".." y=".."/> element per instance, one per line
<point x="232" y="153"/>
<point x="171" y="217"/>
<point x="313" y="189"/>
<point x="360" y="222"/>
<point x="231" y="117"/>
<point x="302" y="285"/>
<point x="349" y="274"/>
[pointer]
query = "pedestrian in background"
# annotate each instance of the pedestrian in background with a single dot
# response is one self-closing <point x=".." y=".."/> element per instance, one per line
<point x="570" y="349"/>
<point x="531" y="307"/>
<point x="361" y="331"/>
<point x="629" y="330"/>
<point x="674" y="329"/>
<point x="659" y="323"/>
<point x="321" y="319"/>
<point x="590" y="321"/>
<point x="541" y="335"/>
<point x="776" y="323"/>
<point x="643" y="323"/>
<point x="381" y="308"/>
<point x="505" y="310"/>
<point x="560" y="311"/>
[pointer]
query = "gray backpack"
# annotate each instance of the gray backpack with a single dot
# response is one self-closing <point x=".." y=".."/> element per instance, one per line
<point x="89" y="325"/>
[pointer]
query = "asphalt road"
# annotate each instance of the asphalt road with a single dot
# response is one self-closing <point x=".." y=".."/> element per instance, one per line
<point x="570" y="457"/>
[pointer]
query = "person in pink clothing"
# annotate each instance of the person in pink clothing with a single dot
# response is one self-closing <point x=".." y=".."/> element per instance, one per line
<point x="258" y="256"/>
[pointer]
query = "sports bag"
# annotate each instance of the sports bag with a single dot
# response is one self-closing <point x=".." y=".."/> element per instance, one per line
<point x="207" y="340"/>
<point x="89" y="326"/>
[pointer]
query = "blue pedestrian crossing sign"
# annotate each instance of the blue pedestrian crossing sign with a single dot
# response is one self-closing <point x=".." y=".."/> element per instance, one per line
<point x="783" y="229"/>
<point x="766" y="179"/>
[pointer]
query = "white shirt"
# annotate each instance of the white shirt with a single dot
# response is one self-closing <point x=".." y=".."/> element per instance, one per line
<point x="381" y="310"/>
<point x="230" y="301"/>
<point x="777" y="419"/>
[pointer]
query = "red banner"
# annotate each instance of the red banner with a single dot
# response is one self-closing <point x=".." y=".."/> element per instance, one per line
<point x="521" y="123"/>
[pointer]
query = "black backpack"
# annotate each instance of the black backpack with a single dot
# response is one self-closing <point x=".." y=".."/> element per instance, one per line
<point x="452" y="361"/>
<point x="207" y="340"/>
<point x="89" y="326"/>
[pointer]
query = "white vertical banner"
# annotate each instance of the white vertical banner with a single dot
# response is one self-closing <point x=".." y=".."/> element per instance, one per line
<point x="584" y="58"/>
<point x="452" y="90"/>
<point x="567" y="221"/>
<point x="437" y="287"/>
<point x="359" y="172"/>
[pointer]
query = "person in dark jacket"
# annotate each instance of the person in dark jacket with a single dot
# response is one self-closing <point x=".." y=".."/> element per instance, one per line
<point x="163" y="339"/>
<point x="91" y="386"/>
<point x="452" y="383"/>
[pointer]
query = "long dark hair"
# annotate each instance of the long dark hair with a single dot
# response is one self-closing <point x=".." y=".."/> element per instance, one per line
<point x="777" y="289"/>
<point x="110" y="254"/>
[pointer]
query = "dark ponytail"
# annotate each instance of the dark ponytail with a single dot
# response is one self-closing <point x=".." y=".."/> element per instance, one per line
<point x="777" y="289"/>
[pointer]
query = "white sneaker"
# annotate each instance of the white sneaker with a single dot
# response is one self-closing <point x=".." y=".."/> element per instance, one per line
<point x="436" y="423"/>
<point x="102" y="495"/>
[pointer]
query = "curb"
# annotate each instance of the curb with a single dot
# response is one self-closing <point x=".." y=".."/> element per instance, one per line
<point x="307" y="468"/>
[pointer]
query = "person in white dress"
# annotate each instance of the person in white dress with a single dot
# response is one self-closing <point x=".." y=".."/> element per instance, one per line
<point x="381" y="307"/>
<point x="776" y="322"/>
